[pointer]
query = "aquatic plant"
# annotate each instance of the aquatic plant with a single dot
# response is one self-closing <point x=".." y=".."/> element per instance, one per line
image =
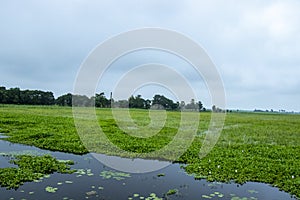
<point x="161" y="174"/>
<point x="31" y="168"/>
<point x="114" y="175"/>
<point x="152" y="196"/>
<point x="51" y="189"/>
<point x="172" y="191"/>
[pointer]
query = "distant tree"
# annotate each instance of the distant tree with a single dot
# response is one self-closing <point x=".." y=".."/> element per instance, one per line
<point x="214" y="108"/>
<point x="81" y="100"/>
<point x="38" y="97"/>
<point x="29" y="97"/>
<point x="3" y="95"/>
<point x="182" y="105"/>
<point x="168" y="104"/>
<point x="192" y="105"/>
<point x="200" y="106"/>
<point x="101" y="101"/>
<point x="13" y="96"/>
<point x="121" y="104"/>
<point x="138" y="102"/>
<point x="64" y="100"/>
<point x="147" y="104"/>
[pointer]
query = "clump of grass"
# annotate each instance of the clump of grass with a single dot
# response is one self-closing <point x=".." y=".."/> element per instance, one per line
<point x="31" y="168"/>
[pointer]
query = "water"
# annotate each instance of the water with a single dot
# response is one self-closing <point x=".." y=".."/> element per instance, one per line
<point x="90" y="185"/>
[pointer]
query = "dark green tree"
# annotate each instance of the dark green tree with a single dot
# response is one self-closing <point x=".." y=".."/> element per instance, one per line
<point x="101" y="101"/>
<point x="200" y="106"/>
<point x="64" y="100"/>
<point x="168" y="104"/>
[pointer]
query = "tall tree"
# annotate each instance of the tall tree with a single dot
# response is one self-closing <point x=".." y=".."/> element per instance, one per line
<point x="101" y="101"/>
<point x="200" y="106"/>
<point x="64" y="100"/>
<point x="168" y="104"/>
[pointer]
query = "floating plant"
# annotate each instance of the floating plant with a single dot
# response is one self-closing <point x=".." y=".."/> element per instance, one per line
<point x="152" y="196"/>
<point x="215" y="194"/>
<point x="114" y="175"/>
<point x="172" y="191"/>
<point x="31" y="168"/>
<point x="161" y="174"/>
<point x="81" y="172"/>
<point x="51" y="189"/>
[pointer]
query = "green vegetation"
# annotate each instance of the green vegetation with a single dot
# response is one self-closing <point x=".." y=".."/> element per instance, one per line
<point x="171" y="192"/>
<point x="260" y="147"/>
<point x="31" y="168"/>
<point x="152" y="196"/>
<point x="161" y="174"/>
<point x="44" y="127"/>
<point x="114" y="175"/>
<point x="51" y="189"/>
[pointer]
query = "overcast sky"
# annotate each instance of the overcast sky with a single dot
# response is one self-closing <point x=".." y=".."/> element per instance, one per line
<point x="255" y="45"/>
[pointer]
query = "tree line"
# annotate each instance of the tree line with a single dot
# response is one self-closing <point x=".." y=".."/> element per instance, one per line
<point x="38" y="97"/>
<point x="27" y="97"/>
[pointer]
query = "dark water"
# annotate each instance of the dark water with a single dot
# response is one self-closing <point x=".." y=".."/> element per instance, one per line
<point x="90" y="185"/>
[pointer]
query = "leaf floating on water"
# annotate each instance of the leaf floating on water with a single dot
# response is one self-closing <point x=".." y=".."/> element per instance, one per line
<point x="206" y="197"/>
<point x="114" y="175"/>
<point x="47" y="176"/>
<point x="90" y="193"/>
<point x="252" y="191"/>
<point x="172" y="191"/>
<point x="152" y="196"/>
<point x="69" y="182"/>
<point x="51" y="189"/>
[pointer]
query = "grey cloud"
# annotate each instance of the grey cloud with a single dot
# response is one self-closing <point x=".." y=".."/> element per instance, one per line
<point x="43" y="43"/>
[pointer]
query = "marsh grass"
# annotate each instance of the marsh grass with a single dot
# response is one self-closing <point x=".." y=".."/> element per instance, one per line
<point x="256" y="147"/>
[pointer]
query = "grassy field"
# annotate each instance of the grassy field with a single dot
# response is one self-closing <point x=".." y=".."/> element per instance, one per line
<point x="260" y="147"/>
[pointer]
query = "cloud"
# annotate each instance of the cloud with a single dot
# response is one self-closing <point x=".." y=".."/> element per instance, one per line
<point x="254" y="44"/>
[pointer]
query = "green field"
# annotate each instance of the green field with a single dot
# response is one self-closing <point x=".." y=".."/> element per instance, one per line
<point x="260" y="147"/>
